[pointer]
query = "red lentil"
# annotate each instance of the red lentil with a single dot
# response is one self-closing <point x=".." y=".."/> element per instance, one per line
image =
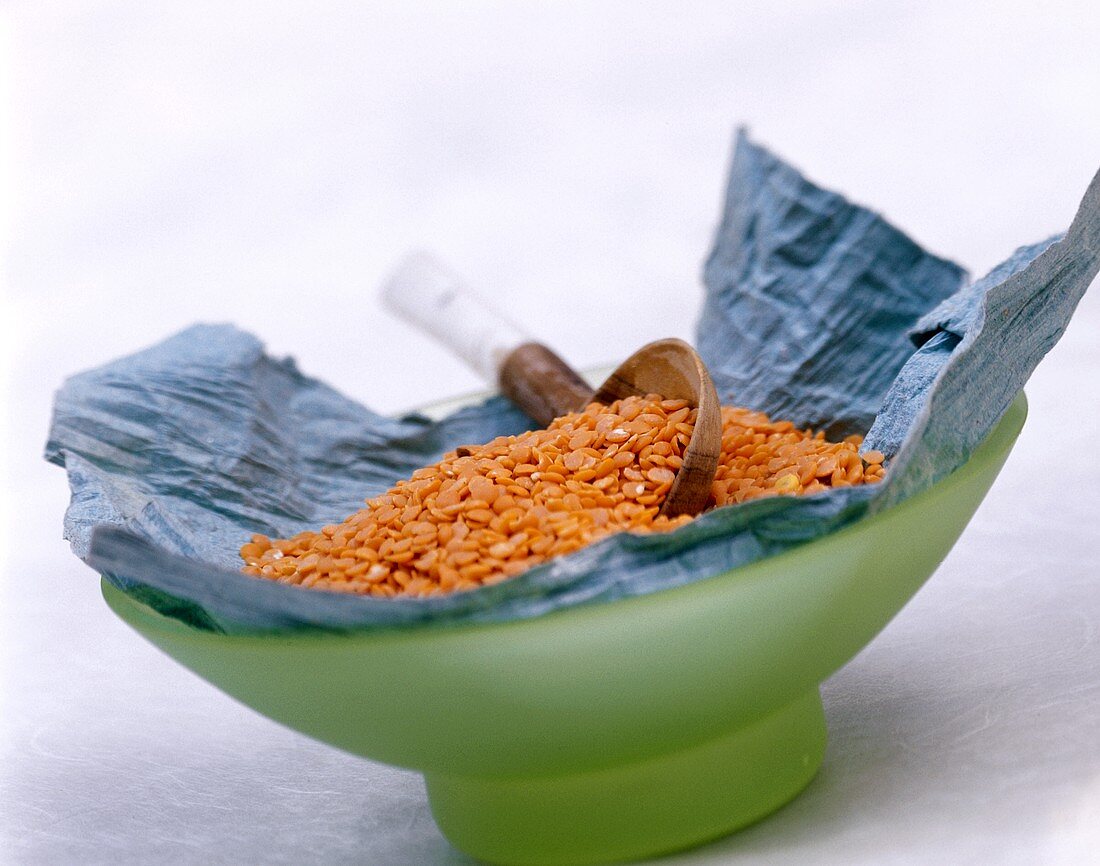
<point x="488" y="512"/>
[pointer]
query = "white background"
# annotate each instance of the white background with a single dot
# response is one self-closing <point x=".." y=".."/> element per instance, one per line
<point x="265" y="164"/>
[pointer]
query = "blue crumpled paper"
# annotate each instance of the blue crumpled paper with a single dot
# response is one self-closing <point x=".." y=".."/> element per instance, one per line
<point x="816" y="310"/>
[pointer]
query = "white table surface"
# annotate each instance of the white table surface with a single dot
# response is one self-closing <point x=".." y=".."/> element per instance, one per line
<point x="182" y="163"/>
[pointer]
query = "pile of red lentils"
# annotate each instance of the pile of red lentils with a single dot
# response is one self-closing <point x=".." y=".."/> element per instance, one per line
<point x="485" y="513"/>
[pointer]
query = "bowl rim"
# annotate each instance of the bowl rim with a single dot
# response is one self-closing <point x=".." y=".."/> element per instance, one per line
<point x="993" y="444"/>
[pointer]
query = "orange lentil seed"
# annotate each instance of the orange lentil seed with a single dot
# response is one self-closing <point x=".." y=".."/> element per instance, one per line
<point x="485" y="513"/>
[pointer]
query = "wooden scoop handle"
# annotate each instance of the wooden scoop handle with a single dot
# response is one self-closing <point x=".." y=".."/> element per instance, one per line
<point x="542" y="384"/>
<point x="426" y="293"/>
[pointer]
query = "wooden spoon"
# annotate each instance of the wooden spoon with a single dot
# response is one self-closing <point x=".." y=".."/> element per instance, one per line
<point x="423" y="292"/>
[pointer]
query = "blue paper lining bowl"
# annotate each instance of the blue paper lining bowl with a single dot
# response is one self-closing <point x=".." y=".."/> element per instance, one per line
<point x="613" y="731"/>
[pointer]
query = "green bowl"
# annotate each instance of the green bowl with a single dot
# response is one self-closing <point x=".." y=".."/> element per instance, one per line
<point x="612" y="731"/>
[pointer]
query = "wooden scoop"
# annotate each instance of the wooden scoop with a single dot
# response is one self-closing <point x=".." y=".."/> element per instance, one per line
<point x="423" y="292"/>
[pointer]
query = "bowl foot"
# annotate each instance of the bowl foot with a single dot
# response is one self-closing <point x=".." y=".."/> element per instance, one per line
<point x="660" y="804"/>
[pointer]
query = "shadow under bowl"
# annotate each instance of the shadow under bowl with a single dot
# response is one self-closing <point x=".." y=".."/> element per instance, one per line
<point x="613" y="731"/>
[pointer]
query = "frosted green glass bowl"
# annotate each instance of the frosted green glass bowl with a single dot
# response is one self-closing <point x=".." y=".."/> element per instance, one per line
<point x="610" y="731"/>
